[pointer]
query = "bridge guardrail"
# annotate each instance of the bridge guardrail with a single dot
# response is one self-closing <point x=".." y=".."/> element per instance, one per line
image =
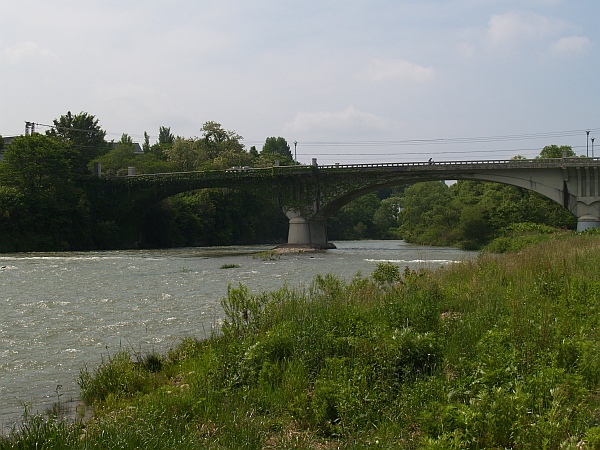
<point x="248" y="171"/>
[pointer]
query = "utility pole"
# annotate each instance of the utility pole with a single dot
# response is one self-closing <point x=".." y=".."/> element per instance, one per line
<point x="29" y="128"/>
<point x="295" y="144"/>
<point x="593" y="146"/>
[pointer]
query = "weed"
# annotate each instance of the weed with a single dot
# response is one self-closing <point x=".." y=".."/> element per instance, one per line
<point x="502" y="352"/>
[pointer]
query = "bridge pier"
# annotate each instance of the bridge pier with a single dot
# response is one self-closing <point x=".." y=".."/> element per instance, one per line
<point x="307" y="232"/>
<point x="586" y="222"/>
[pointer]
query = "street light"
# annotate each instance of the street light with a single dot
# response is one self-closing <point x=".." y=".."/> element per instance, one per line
<point x="593" y="146"/>
<point x="295" y="143"/>
<point x="587" y="144"/>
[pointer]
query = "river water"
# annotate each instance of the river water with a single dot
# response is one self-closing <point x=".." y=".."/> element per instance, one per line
<point x="62" y="311"/>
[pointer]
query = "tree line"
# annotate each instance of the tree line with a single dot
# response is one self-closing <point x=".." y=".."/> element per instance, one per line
<point x="47" y="201"/>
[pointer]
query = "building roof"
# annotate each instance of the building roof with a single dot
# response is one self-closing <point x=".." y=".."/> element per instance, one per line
<point x="137" y="148"/>
<point x="8" y="139"/>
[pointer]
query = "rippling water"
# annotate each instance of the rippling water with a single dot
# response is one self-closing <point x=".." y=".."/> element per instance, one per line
<point x="61" y="311"/>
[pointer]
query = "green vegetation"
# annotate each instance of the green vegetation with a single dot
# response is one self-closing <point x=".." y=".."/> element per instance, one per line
<point x="471" y="214"/>
<point x="49" y="199"/>
<point x="467" y="214"/>
<point x="501" y="352"/>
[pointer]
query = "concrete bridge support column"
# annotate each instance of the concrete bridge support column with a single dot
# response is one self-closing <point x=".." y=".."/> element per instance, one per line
<point x="586" y="222"/>
<point x="307" y="232"/>
<point x="588" y="212"/>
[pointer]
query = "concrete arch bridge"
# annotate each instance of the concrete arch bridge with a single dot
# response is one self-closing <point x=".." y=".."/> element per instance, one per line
<point x="308" y="195"/>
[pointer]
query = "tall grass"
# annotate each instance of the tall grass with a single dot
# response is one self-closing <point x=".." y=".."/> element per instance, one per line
<point x="501" y="352"/>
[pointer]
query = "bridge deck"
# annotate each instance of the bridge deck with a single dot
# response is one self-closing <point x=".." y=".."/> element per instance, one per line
<point x="411" y="166"/>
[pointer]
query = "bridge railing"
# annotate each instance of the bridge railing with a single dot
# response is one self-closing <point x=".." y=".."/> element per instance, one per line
<point x="497" y="162"/>
<point x="434" y="165"/>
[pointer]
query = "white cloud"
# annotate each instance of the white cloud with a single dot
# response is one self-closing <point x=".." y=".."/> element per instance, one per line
<point x="510" y="29"/>
<point x="571" y="45"/>
<point x="390" y="70"/>
<point x="346" y="119"/>
<point x="27" y="51"/>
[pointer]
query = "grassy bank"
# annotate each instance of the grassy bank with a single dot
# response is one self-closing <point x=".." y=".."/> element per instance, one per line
<point x="502" y="352"/>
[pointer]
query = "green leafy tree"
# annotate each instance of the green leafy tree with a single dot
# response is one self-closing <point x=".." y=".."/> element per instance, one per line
<point x="85" y="135"/>
<point x="429" y="215"/>
<point x="184" y="154"/>
<point x="41" y="207"/>
<point x="554" y="151"/>
<point x="276" y="148"/>
<point x="37" y="163"/>
<point x="165" y="141"/>
<point x="126" y="140"/>
<point x="355" y="219"/>
<point x="146" y="145"/>
<point x="118" y="159"/>
<point x="165" y="137"/>
<point x="385" y="219"/>
<point x="216" y="140"/>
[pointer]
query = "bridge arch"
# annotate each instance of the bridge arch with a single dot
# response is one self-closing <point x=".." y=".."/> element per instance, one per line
<point x="330" y="208"/>
<point x="310" y="194"/>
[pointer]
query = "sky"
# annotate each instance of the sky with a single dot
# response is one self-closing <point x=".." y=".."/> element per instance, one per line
<point x="349" y="81"/>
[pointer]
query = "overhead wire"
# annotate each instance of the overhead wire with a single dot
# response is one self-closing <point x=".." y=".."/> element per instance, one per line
<point x="412" y="142"/>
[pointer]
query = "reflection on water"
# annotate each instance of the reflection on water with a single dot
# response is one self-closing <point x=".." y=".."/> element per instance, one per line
<point x="61" y="311"/>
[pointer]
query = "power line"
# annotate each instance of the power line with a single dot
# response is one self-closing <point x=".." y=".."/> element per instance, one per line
<point x="505" y="150"/>
<point x="443" y="141"/>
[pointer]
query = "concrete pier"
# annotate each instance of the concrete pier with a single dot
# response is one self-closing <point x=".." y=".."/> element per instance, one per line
<point x="312" y="233"/>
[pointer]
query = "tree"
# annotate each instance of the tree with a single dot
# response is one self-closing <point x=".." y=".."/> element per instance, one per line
<point x="37" y="162"/>
<point x="46" y="208"/>
<point x="554" y="151"/>
<point x="216" y="140"/>
<point x="165" y="137"/>
<point x="184" y="154"/>
<point x="385" y="219"/>
<point x="355" y="219"/>
<point x="146" y="145"/>
<point x="84" y="134"/>
<point x="277" y="148"/>
<point x="126" y="140"/>
<point x="429" y="215"/>
<point x="165" y="141"/>
<point x="118" y="159"/>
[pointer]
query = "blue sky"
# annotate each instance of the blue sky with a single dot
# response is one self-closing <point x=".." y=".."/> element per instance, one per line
<point x="351" y="81"/>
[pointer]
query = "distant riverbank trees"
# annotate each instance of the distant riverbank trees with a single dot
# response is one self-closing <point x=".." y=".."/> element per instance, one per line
<point x="47" y="200"/>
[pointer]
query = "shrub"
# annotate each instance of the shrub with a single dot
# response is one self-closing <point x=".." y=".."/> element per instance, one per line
<point x="117" y="376"/>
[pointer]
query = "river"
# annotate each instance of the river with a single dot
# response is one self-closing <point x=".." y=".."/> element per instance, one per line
<point x="62" y="311"/>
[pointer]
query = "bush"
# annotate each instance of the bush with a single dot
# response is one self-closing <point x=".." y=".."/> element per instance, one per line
<point x="116" y="376"/>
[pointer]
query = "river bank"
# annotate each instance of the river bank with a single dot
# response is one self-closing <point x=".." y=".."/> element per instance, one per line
<point x="63" y="311"/>
<point x="501" y="352"/>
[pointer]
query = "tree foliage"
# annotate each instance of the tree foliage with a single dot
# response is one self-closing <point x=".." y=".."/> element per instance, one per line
<point x="37" y="163"/>
<point x="554" y="151"/>
<point x="84" y="134"/>
<point x="41" y="206"/>
<point x="277" y="148"/>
